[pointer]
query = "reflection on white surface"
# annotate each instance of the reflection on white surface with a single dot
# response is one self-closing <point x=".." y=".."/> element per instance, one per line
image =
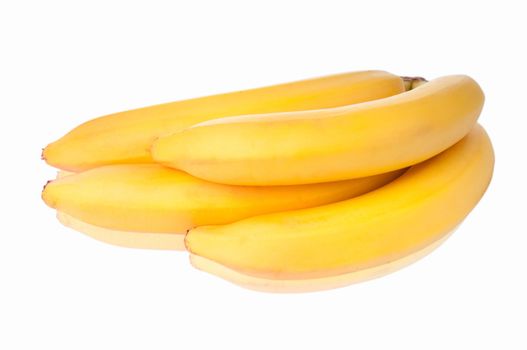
<point x="143" y="240"/>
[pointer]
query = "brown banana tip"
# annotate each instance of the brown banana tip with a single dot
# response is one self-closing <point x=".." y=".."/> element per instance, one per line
<point x="43" y="196"/>
<point x="45" y="185"/>
<point x="42" y="154"/>
<point x="185" y="242"/>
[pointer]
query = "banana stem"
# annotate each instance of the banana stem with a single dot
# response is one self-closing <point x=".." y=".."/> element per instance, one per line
<point x="411" y="83"/>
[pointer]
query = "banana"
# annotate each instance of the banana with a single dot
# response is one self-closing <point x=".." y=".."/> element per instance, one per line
<point x="404" y="216"/>
<point x="124" y="138"/>
<point x="327" y="144"/>
<point x="311" y="284"/>
<point x="152" y="198"/>
<point x="128" y="239"/>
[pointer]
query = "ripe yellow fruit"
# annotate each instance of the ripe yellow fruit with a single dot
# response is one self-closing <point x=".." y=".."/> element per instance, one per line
<point x="152" y="198"/>
<point x="406" y="215"/>
<point x="125" y="137"/>
<point x="310" y="284"/>
<point x="304" y="186"/>
<point x="328" y="144"/>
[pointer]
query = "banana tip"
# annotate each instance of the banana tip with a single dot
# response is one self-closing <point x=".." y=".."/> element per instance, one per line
<point x="43" y="193"/>
<point x="47" y="183"/>
<point x="185" y="241"/>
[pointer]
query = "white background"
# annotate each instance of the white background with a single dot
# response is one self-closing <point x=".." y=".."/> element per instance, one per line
<point x="65" y="62"/>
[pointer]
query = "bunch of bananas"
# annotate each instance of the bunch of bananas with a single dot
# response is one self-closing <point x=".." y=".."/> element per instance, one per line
<point x="302" y="186"/>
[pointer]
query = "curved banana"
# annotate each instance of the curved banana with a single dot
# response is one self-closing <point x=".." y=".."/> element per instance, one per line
<point x="126" y="137"/>
<point x="398" y="219"/>
<point x="262" y="284"/>
<point x="152" y="198"/>
<point x="328" y="144"/>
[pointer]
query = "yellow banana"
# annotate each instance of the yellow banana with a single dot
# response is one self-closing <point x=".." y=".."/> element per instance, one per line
<point x="152" y="198"/>
<point x="328" y="144"/>
<point x="126" y="137"/>
<point x="128" y="239"/>
<point x="406" y="215"/>
<point x="311" y="284"/>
